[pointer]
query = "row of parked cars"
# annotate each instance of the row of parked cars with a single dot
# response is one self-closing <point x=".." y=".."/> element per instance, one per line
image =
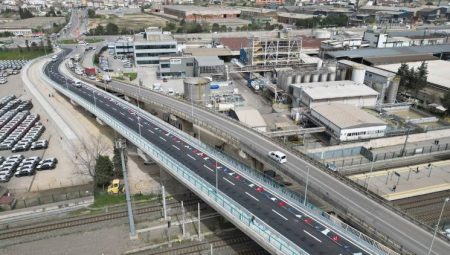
<point x="15" y="64"/>
<point x="19" y="166"/>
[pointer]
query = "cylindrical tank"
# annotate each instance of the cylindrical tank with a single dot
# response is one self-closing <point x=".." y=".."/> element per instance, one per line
<point x="196" y="89"/>
<point x="332" y="77"/>
<point x="319" y="64"/>
<point x="358" y="74"/>
<point x="315" y="77"/>
<point x="298" y="78"/>
<point x="323" y="76"/>
<point x="288" y="82"/>
<point x="343" y="75"/>
<point x="307" y="78"/>
<point x="392" y="90"/>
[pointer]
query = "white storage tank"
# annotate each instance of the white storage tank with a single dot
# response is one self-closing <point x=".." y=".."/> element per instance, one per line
<point x="323" y="76"/>
<point x="331" y="76"/>
<point x="315" y="77"/>
<point x="358" y="74"/>
<point x="306" y="78"/>
<point x="298" y="79"/>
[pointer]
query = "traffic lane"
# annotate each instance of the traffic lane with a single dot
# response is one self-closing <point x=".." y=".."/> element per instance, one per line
<point x="238" y="195"/>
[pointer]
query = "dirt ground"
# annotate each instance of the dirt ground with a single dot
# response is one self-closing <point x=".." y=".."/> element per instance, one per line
<point x="129" y="21"/>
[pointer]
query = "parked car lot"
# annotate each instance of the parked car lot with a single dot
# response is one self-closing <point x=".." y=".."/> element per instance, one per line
<point x="10" y="67"/>
<point x="19" y="132"/>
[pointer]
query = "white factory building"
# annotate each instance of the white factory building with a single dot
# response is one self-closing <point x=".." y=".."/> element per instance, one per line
<point x="344" y="92"/>
<point x="348" y="123"/>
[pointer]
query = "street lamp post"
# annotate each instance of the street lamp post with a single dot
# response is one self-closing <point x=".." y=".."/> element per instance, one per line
<point x="437" y="225"/>
<point x="120" y="144"/>
<point x="306" y="187"/>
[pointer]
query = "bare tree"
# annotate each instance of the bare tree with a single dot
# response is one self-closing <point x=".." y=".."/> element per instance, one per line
<point x="87" y="152"/>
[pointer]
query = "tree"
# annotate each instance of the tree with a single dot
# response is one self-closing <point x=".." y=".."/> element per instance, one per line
<point x="91" y="13"/>
<point x="104" y="171"/>
<point x="215" y="27"/>
<point x="112" y="29"/>
<point x="445" y="101"/>
<point x="117" y="162"/>
<point x="403" y="73"/>
<point x="87" y="152"/>
<point x="27" y="44"/>
<point x="421" y="77"/>
<point x="25" y="14"/>
<point x="413" y="80"/>
<point x="99" y="30"/>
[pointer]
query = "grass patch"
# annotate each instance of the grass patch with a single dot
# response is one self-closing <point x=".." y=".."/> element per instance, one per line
<point x="68" y="41"/>
<point x="103" y="199"/>
<point x="131" y="76"/>
<point x="93" y="40"/>
<point x="12" y="54"/>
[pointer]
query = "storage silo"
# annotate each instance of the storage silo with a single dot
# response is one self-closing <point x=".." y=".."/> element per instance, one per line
<point x="306" y="78"/>
<point x="323" y="76"/>
<point x="343" y="75"/>
<point x="358" y="74"/>
<point x="392" y="90"/>
<point x="196" y="89"/>
<point x="298" y="78"/>
<point x="315" y="77"/>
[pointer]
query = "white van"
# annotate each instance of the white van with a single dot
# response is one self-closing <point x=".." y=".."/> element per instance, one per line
<point x="278" y="156"/>
<point x="77" y="84"/>
<point x="54" y="57"/>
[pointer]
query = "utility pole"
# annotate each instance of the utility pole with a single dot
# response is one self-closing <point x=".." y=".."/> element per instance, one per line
<point x="437" y="225"/>
<point x="217" y="179"/>
<point x="183" y="219"/>
<point x="306" y="187"/>
<point x="163" y="191"/>
<point x="406" y="141"/>
<point x="198" y="220"/>
<point x="120" y="144"/>
<point x="374" y="158"/>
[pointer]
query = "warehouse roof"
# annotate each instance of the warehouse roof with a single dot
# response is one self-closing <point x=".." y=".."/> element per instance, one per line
<point x="209" y="61"/>
<point x="347" y="116"/>
<point x="208" y="52"/>
<point x="386" y="52"/>
<point x="438" y="71"/>
<point x="335" y="89"/>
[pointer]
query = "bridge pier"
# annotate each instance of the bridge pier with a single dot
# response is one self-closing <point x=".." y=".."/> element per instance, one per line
<point x="73" y="102"/>
<point x="99" y="121"/>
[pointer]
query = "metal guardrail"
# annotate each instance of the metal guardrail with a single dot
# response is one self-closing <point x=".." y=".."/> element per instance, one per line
<point x="340" y="227"/>
<point x="233" y="210"/>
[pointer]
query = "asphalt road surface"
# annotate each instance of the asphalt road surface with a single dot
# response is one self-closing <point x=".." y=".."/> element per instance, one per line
<point x="408" y="234"/>
<point x="293" y="224"/>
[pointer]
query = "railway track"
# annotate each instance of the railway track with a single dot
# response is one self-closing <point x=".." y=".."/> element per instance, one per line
<point x="89" y="220"/>
<point x="231" y="243"/>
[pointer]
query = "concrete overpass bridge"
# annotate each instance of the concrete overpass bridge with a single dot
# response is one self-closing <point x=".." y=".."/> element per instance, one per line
<point x="276" y="218"/>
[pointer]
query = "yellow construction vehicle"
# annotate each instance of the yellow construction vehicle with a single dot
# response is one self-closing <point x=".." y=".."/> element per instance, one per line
<point x="116" y="187"/>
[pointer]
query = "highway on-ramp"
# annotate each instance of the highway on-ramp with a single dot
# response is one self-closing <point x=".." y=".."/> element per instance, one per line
<point x="298" y="227"/>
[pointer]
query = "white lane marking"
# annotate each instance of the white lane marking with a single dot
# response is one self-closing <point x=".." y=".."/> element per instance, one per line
<point x="208" y="168"/>
<point x="279" y="214"/>
<point x="175" y="147"/>
<point x="163" y="139"/>
<point x="252" y="196"/>
<point x="150" y="131"/>
<point x="115" y="109"/>
<point x="122" y="113"/>
<point x="228" y="181"/>
<point x="190" y="156"/>
<point x="317" y="239"/>
<point x="130" y="118"/>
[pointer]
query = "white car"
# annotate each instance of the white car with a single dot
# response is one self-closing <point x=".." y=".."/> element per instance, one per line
<point x="278" y="156"/>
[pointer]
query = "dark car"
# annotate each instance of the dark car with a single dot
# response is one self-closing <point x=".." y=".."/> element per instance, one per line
<point x="46" y="165"/>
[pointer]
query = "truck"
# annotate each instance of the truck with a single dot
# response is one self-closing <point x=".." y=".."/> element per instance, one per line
<point x="116" y="187"/>
<point x="90" y="71"/>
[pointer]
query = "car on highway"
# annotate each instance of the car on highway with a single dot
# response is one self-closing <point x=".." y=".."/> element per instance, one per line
<point x="278" y="156"/>
<point x="77" y="84"/>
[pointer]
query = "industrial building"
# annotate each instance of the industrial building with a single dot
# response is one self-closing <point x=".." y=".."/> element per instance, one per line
<point x="181" y="66"/>
<point x="437" y="82"/>
<point x="146" y="48"/>
<point x="199" y="13"/>
<point x="283" y="50"/>
<point x="346" y="122"/>
<point x="381" y="39"/>
<point x="345" y="92"/>
<point x="384" y="82"/>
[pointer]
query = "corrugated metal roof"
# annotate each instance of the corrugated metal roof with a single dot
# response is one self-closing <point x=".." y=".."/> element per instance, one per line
<point x="347" y="116"/>
<point x="367" y="68"/>
<point x="335" y="89"/>
<point x="209" y="61"/>
<point x="385" y="52"/>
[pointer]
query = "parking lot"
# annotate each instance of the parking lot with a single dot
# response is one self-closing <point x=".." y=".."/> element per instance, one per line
<point x="64" y="173"/>
<point x="10" y="67"/>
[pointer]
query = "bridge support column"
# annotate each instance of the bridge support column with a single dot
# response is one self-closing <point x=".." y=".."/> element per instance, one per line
<point x="256" y="164"/>
<point x="172" y="186"/>
<point x="73" y="102"/>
